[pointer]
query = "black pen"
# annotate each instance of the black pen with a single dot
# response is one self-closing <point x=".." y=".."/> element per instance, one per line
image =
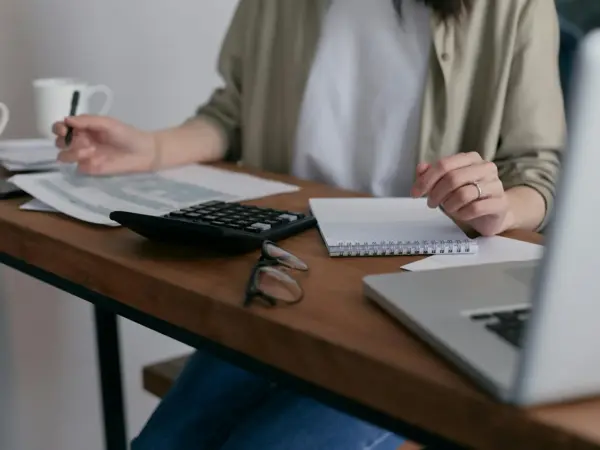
<point x="74" y="105"/>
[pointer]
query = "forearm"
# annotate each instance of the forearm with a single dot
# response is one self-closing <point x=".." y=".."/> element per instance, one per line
<point x="196" y="141"/>
<point x="527" y="208"/>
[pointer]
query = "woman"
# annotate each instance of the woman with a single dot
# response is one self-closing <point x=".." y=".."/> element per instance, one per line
<point x="455" y="100"/>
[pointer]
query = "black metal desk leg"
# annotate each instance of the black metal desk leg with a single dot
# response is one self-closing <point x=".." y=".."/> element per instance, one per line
<point x="109" y="360"/>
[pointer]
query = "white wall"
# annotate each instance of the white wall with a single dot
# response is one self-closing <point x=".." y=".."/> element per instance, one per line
<point x="159" y="58"/>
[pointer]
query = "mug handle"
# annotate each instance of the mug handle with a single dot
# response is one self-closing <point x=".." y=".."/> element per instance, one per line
<point x="108" y="93"/>
<point x="4" y="117"/>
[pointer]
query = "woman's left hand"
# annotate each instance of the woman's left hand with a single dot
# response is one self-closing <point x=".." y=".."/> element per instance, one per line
<point x="468" y="189"/>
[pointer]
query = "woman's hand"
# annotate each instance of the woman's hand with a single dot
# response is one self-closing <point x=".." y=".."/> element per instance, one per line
<point x="103" y="146"/>
<point x="452" y="185"/>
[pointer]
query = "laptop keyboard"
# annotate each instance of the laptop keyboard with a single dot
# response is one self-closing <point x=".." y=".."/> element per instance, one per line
<point x="508" y="324"/>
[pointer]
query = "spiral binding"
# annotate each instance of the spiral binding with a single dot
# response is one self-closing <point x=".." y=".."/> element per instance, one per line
<point x="406" y="248"/>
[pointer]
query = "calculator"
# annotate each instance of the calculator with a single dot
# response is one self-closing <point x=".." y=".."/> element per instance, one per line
<point x="222" y="226"/>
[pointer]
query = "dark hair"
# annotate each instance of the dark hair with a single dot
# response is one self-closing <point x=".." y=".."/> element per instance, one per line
<point x="444" y="8"/>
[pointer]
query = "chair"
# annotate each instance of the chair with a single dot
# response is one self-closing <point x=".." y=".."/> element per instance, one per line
<point x="570" y="36"/>
<point x="158" y="378"/>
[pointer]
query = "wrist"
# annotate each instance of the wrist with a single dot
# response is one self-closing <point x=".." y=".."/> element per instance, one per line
<point x="156" y="151"/>
<point x="511" y="221"/>
<point x="526" y="208"/>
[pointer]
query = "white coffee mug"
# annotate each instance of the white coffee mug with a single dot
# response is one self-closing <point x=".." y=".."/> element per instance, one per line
<point x="53" y="101"/>
<point x="4" y="117"/>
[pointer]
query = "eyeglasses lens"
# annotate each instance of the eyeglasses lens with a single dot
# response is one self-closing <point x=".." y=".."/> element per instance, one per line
<point x="275" y="283"/>
<point x="284" y="258"/>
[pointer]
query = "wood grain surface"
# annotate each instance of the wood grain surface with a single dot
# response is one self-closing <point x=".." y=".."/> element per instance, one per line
<point x="335" y="338"/>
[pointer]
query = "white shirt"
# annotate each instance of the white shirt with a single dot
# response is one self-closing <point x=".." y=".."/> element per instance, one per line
<point x="360" y="117"/>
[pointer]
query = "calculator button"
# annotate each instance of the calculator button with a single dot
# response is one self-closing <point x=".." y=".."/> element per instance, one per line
<point x="211" y="203"/>
<point x="261" y="226"/>
<point x="288" y="217"/>
<point x="236" y="217"/>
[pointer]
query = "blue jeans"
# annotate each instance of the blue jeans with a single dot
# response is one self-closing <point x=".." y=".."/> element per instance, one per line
<point x="215" y="405"/>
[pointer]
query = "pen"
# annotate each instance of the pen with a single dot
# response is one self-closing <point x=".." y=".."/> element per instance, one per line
<point x="74" y="105"/>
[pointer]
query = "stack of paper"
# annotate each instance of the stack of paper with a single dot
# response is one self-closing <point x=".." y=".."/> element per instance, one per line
<point x="57" y="187"/>
<point x="92" y="199"/>
<point x="37" y="205"/>
<point x="28" y="155"/>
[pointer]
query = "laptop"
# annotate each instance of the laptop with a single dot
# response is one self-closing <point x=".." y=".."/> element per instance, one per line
<point x="527" y="332"/>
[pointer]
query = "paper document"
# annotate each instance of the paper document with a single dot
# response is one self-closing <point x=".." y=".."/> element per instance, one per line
<point x="490" y="250"/>
<point x="41" y="167"/>
<point x="18" y="145"/>
<point x="92" y="199"/>
<point x="28" y="151"/>
<point x="28" y="155"/>
<point x="36" y="205"/>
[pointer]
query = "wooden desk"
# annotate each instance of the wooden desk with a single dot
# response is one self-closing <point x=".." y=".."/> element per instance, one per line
<point x="335" y="345"/>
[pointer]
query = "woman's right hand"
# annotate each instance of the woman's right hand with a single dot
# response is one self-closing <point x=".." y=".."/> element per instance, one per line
<point x="105" y="146"/>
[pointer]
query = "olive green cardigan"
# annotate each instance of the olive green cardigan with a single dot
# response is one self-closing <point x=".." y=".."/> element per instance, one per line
<point x="493" y="86"/>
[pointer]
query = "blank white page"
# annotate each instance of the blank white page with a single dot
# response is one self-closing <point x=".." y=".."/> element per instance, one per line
<point x="375" y="220"/>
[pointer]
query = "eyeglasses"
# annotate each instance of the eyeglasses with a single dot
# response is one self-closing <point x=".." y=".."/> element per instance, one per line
<point x="270" y="280"/>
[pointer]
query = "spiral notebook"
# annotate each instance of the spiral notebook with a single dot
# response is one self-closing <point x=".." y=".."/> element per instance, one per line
<point x="387" y="226"/>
